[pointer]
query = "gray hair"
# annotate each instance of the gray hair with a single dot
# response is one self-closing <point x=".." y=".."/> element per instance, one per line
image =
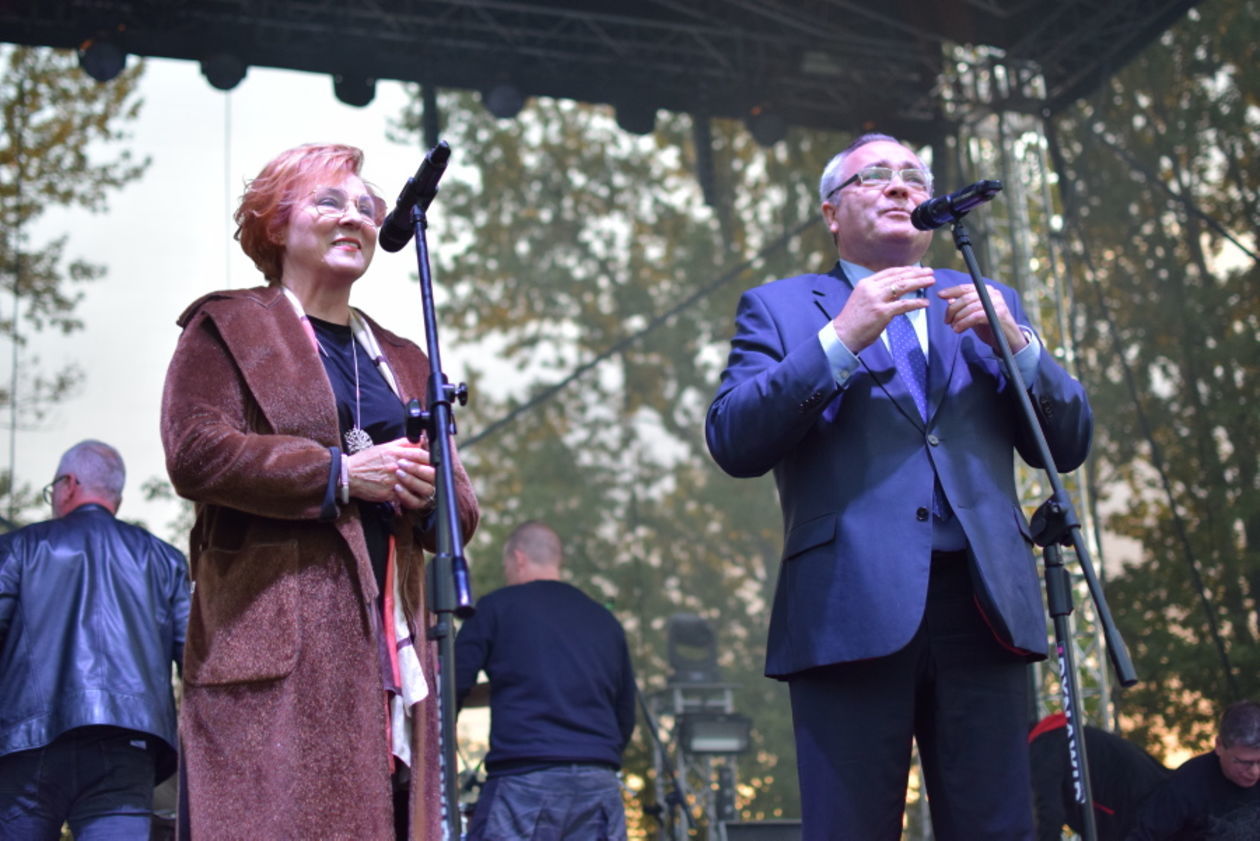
<point x="97" y="466"/>
<point x="538" y="542"/>
<point x="831" y="172"/>
<point x="1240" y="725"/>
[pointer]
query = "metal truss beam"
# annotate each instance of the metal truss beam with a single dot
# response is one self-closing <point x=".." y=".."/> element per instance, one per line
<point x="829" y="64"/>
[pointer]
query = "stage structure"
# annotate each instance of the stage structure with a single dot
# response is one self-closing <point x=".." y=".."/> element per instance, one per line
<point x="825" y="64"/>
<point x="700" y="736"/>
<point x="1022" y="242"/>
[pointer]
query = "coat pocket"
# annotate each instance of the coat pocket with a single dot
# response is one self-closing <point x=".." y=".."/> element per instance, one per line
<point x="244" y="621"/>
<point x="808" y="535"/>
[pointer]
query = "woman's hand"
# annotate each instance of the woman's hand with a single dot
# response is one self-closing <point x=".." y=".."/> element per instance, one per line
<point x="396" y="471"/>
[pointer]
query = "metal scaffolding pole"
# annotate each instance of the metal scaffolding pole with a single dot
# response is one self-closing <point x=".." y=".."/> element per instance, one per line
<point x="999" y="132"/>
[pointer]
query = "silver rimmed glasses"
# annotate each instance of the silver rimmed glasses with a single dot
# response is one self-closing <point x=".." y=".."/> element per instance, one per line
<point x="333" y="201"/>
<point x="881" y="176"/>
<point x="47" y="492"/>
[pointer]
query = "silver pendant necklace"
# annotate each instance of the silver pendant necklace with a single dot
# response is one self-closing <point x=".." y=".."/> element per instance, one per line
<point x="356" y="439"/>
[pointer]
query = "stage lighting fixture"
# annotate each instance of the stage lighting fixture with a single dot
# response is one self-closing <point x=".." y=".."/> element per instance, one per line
<point x="223" y="71"/>
<point x="102" y="59"/>
<point x="504" y="100"/>
<point x="692" y="650"/>
<point x="636" y="117"/>
<point x="714" y="733"/>
<point x="766" y="126"/>
<point x="354" y="90"/>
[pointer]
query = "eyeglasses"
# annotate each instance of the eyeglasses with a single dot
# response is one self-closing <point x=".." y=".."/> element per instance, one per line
<point x="882" y="176"/>
<point x="331" y="201"/>
<point x="47" y="492"/>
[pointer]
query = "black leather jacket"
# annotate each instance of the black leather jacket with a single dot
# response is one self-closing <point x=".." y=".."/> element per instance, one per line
<point x="92" y="614"/>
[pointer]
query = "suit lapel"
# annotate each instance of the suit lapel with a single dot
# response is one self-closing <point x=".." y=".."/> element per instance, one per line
<point x="943" y="345"/>
<point x="832" y="291"/>
<point x="830" y="294"/>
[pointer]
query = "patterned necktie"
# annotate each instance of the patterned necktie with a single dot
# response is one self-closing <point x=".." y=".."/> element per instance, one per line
<point x="907" y="353"/>
<point x="911" y="363"/>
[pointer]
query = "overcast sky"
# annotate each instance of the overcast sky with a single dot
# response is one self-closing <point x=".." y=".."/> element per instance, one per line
<point x="166" y="239"/>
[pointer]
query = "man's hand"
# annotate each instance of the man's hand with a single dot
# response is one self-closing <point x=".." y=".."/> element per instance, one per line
<point x="876" y="301"/>
<point x="965" y="312"/>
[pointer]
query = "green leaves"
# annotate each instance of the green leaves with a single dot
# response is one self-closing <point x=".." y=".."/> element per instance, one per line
<point x="59" y="147"/>
<point x="1162" y="165"/>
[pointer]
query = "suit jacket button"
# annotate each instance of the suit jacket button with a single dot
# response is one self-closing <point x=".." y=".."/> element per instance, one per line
<point x="921" y="515"/>
<point x="933" y="440"/>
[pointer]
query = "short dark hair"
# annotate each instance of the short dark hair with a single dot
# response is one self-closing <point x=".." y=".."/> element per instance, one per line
<point x="538" y="541"/>
<point x="1240" y="725"/>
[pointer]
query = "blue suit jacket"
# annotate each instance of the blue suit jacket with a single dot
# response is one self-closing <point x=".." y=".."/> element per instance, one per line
<point x="854" y="468"/>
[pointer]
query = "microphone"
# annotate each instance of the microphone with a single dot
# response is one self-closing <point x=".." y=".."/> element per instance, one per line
<point x="945" y="209"/>
<point x="420" y="189"/>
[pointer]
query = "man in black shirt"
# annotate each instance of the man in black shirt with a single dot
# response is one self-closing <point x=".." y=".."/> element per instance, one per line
<point x="1121" y="774"/>
<point x="562" y="698"/>
<point x="1213" y="792"/>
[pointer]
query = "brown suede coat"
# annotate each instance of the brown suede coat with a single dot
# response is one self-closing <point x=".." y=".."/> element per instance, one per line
<point x="283" y="720"/>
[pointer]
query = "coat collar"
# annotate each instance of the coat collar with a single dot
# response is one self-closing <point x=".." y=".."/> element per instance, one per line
<point x="281" y="369"/>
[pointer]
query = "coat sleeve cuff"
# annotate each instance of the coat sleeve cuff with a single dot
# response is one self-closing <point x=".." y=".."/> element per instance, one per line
<point x="328" y="508"/>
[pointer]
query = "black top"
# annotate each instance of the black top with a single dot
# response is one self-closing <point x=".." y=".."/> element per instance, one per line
<point x="1121" y="774"/>
<point x="1193" y="804"/>
<point x="561" y="683"/>
<point x="376" y="410"/>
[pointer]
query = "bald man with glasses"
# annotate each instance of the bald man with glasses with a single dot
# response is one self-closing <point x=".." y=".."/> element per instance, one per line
<point x="908" y="601"/>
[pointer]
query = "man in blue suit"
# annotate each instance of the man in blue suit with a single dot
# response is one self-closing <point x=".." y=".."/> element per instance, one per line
<point x="908" y="600"/>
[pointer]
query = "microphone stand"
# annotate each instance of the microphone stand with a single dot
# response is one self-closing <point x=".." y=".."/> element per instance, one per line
<point x="1053" y="525"/>
<point x="449" y="591"/>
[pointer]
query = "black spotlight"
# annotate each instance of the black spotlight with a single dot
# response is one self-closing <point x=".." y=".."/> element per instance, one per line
<point x="504" y="100"/>
<point x="102" y="59"/>
<point x="766" y="126"/>
<point x="223" y="71"/>
<point x="692" y="650"/>
<point x="636" y="117"/>
<point x="354" y="90"/>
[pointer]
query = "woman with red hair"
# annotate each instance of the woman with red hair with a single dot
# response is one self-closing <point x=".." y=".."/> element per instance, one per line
<point x="308" y="708"/>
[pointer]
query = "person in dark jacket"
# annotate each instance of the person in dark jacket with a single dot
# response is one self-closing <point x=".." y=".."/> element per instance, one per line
<point x="1121" y="774"/>
<point x="562" y="697"/>
<point x="92" y="615"/>
<point x="1213" y="795"/>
